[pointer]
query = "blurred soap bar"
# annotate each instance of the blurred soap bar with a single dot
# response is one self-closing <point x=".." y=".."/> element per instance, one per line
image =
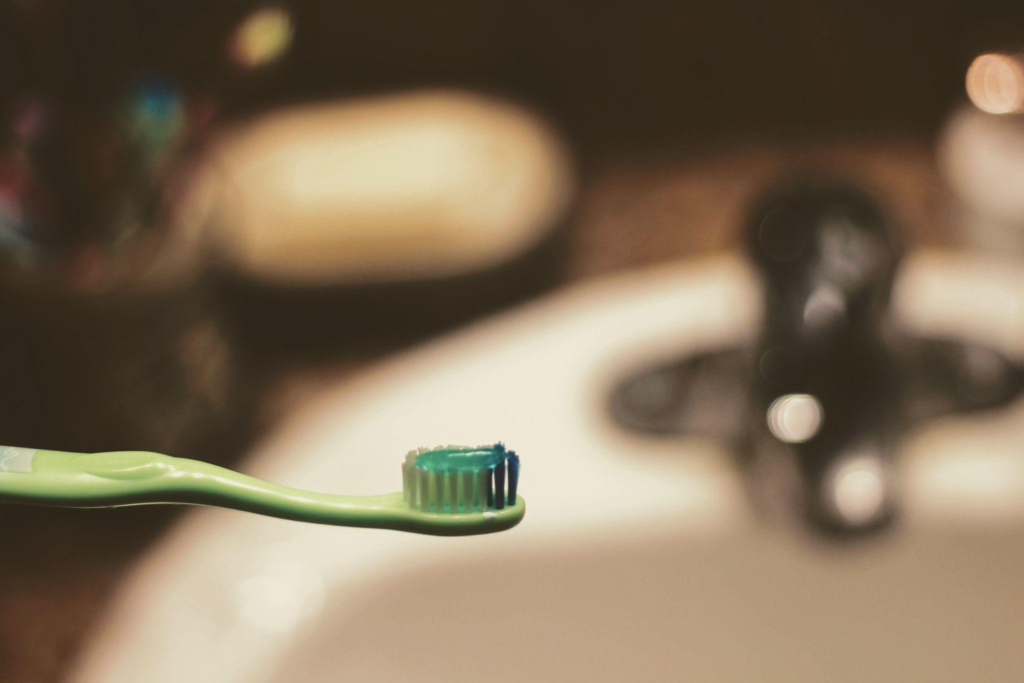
<point x="421" y="185"/>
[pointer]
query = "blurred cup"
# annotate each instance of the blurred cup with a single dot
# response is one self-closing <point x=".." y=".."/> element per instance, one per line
<point x="981" y="155"/>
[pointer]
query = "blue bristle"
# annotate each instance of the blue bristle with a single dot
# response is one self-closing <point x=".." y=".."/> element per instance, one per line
<point x="490" y="491"/>
<point x="513" y="476"/>
<point x="499" y="486"/>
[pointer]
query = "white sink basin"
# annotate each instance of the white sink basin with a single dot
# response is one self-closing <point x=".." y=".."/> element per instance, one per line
<point x="638" y="559"/>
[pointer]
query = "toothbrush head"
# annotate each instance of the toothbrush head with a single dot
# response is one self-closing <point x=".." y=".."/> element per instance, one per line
<point x="471" y="483"/>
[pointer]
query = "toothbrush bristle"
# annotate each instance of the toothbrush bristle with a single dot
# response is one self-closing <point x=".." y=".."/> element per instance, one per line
<point x="513" y="476"/>
<point x="460" y="479"/>
<point x="499" y="485"/>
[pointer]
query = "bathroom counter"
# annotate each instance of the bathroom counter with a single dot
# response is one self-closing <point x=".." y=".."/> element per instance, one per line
<point x="61" y="567"/>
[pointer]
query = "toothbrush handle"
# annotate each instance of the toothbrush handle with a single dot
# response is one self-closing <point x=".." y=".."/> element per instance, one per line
<point x="110" y="479"/>
<point x="114" y="479"/>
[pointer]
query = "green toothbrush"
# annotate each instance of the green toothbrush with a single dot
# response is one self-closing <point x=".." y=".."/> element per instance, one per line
<point x="447" y="491"/>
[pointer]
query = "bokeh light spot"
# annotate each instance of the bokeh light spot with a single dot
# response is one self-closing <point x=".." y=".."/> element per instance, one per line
<point x="263" y="37"/>
<point x="995" y="83"/>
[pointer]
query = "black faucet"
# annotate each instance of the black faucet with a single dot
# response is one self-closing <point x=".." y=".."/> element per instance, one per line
<point x="828" y="388"/>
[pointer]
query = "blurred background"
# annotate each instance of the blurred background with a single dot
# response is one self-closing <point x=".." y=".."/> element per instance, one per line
<point x="211" y="211"/>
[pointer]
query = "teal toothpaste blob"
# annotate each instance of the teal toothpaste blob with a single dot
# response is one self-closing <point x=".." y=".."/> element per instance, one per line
<point x="462" y="458"/>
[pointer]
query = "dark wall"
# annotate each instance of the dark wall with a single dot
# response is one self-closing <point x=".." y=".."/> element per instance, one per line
<point x="613" y="73"/>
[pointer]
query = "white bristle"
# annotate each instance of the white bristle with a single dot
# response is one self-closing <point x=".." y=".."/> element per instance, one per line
<point x="481" y="487"/>
<point x="444" y="491"/>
